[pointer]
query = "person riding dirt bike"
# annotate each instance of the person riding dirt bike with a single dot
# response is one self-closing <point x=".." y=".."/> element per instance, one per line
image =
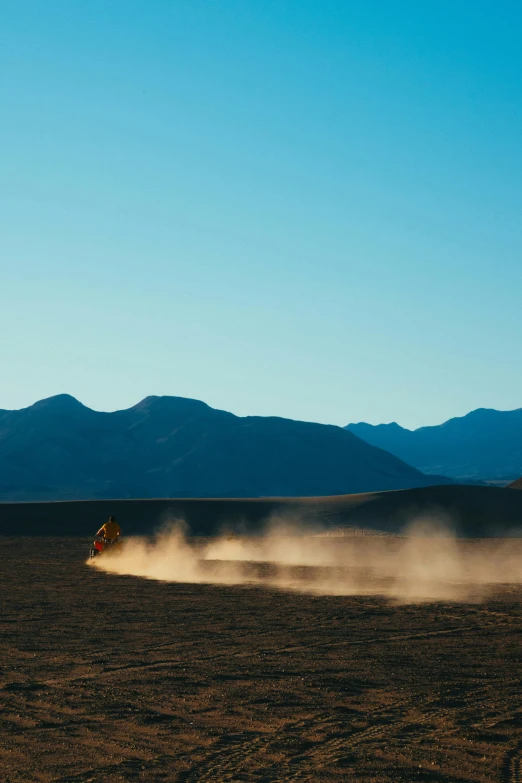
<point x="107" y="537"/>
<point x="110" y="531"/>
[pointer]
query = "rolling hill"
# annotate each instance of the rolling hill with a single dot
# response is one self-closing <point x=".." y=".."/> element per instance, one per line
<point x="59" y="449"/>
<point x="470" y="512"/>
<point x="485" y="444"/>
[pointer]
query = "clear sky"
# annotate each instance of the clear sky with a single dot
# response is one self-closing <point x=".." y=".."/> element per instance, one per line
<point x="307" y="208"/>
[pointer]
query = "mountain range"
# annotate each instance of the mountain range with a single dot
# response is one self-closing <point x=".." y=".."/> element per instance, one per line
<point x="59" y="449"/>
<point x="486" y="444"/>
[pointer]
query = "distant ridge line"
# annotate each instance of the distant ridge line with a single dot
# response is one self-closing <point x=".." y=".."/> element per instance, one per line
<point x="58" y="449"/>
<point x="484" y="445"/>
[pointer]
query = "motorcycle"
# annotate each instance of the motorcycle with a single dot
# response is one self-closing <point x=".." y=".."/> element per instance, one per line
<point x="102" y="545"/>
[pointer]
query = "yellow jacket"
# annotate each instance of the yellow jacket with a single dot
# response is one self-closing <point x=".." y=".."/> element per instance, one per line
<point x="110" y="530"/>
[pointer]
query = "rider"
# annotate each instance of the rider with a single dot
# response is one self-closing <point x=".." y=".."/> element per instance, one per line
<point x="110" y="531"/>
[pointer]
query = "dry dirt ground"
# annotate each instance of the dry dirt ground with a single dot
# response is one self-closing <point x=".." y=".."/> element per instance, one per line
<point x="114" y="678"/>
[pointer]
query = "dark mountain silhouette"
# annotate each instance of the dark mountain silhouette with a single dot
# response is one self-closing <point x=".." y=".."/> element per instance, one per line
<point x="516" y="484"/>
<point x="175" y="447"/>
<point x="485" y="444"/>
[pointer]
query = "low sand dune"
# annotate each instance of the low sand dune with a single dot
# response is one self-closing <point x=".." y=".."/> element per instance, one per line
<point x="473" y="511"/>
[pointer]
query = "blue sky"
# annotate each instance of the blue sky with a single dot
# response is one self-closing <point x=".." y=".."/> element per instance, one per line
<point x="308" y="208"/>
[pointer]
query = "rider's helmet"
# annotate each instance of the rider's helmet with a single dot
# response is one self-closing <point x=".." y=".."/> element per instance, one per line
<point x="112" y="519"/>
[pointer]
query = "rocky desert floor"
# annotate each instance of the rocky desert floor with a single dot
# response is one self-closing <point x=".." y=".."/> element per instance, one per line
<point x="113" y="678"/>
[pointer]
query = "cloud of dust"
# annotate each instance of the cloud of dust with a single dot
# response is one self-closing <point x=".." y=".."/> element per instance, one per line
<point x="426" y="563"/>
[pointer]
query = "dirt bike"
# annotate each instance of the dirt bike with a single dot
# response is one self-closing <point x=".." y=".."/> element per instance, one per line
<point x="102" y="545"/>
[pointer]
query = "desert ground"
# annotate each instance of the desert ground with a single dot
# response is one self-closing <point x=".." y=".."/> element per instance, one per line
<point x="113" y="677"/>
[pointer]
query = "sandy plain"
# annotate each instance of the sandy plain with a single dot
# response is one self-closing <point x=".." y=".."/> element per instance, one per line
<point x="112" y="678"/>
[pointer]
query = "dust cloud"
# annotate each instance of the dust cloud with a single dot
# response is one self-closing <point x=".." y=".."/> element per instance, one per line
<point x="425" y="563"/>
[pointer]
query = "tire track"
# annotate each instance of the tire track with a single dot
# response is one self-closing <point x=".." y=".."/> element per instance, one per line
<point x="227" y="760"/>
<point x="512" y="766"/>
<point x="328" y="752"/>
<point x="224" y="763"/>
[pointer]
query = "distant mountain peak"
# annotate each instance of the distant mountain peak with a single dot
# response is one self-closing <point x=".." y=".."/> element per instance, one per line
<point x="59" y="402"/>
<point x="362" y="426"/>
<point x="392" y="425"/>
<point x="167" y="402"/>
